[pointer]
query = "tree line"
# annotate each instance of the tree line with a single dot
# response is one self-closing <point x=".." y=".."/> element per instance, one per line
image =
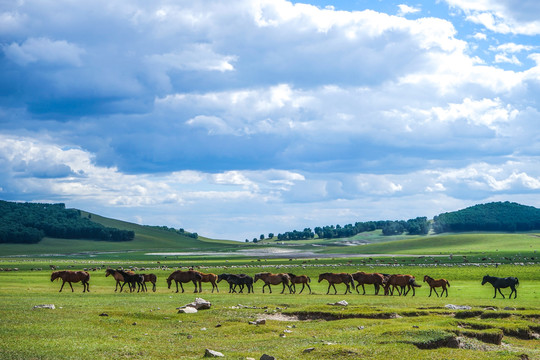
<point x="29" y="223"/>
<point x="495" y="216"/>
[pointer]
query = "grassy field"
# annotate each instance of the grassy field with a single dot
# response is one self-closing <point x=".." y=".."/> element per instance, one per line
<point x="147" y="325"/>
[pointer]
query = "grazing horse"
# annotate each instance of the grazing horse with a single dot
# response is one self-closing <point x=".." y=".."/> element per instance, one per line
<point x="299" y="279"/>
<point x="237" y="279"/>
<point x="273" y="279"/>
<point x="402" y="281"/>
<point x="367" y="278"/>
<point x="499" y="283"/>
<point x="133" y="280"/>
<point x="69" y="276"/>
<point x="117" y="276"/>
<point x="211" y="278"/>
<point x="149" y="278"/>
<point x="437" y="283"/>
<point x="180" y="276"/>
<point x="338" y="278"/>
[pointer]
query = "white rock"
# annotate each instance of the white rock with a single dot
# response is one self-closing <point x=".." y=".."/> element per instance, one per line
<point x="45" y="306"/>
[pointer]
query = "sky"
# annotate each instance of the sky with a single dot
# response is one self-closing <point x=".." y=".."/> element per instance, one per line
<point x="239" y="118"/>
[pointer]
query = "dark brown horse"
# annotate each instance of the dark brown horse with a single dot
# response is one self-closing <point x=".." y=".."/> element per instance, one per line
<point x="180" y="276"/>
<point x="69" y="276"/>
<point x="117" y="276"/>
<point x="211" y="278"/>
<point x="437" y="283"/>
<point x="368" y="278"/>
<point x="338" y="278"/>
<point x="499" y="283"/>
<point x="299" y="279"/>
<point x="273" y="279"/>
<point x="152" y="278"/>
<point x="397" y="281"/>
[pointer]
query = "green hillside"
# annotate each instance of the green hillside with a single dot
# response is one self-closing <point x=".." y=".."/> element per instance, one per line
<point x="463" y="243"/>
<point x="146" y="239"/>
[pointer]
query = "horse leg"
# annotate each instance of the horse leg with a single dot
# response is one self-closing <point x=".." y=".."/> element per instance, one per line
<point x="200" y="286"/>
<point x="116" y="288"/>
<point x="500" y="292"/>
<point x="283" y="290"/>
<point x="436" y="292"/>
<point x="364" y="289"/>
<point x="430" y="291"/>
<point x="303" y="286"/>
<point x="335" y="290"/>
<point x="71" y="286"/>
<point x="329" y="284"/>
<point x="309" y="287"/>
<point x="154" y="287"/>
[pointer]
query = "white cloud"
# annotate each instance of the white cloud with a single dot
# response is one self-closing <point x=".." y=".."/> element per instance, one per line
<point x="44" y="50"/>
<point x="406" y="9"/>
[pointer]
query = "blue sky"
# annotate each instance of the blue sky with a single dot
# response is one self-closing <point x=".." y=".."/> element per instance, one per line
<point x="236" y="118"/>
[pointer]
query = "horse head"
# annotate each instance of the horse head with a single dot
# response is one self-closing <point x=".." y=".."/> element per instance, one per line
<point x="322" y="277"/>
<point x="55" y="275"/>
<point x="109" y="272"/>
<point x="169" y="281"/>
<point x="485" y="279"/>
<point x="426" y="278"/>
<point x="257" y="277"/>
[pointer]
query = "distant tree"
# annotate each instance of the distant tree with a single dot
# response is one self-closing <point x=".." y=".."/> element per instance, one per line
<point x="270" y="235"/>
<point x="247" y="240"/>
<point x="255" y="240"/>
<point x="261" y="237"/>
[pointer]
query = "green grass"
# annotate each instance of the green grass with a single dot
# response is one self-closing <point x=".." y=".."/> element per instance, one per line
<point x="147" y="326"/>
<point x="465" y="243"/>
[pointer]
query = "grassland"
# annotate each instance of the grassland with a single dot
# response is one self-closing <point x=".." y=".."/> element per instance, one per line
<point x="147" y="325"/>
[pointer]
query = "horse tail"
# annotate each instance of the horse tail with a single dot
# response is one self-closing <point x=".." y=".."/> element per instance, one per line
<point x="414" y="283"/>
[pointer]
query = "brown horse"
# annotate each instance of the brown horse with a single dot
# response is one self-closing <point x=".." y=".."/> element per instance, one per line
<point x="273" y="279"/>
<point x="180" y="276"/>
<point x="400" y="281"/>
<point x="437" y="283"/>
<point x="118" y="277"/>
<point x="299" y="279"/>
<point x="72" y="276"/>
<point x="211" y="278"/>
<point x="152" y="278"/>
<point x="368" y="278"/>
<point x="337" y="278"/>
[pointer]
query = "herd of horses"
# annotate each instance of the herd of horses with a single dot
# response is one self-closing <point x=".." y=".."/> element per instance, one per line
<point x="400" y="283"/>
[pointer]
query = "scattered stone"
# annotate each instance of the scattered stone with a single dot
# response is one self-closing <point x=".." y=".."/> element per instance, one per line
<point x="134" y="323"/>
<point x="198" y="304"/>
<point x="103" y="314"/>
<point x="490" y="308"/>
<point x="457" y="307"/>
<point x="361" y="327"/>
<point x="203" y="329"/>
<point x="190" y="336"/>
<point x="308" y="350"/>
<point x="267" y="357"/>
<point x="218" y="325"/>
<point x="258" y="322"/>
<point x="416" y="326"/>
<point x="281" y="335"/>
<point x="250" y="358"/>
<point x="287" y="331"/>
<point x="45" y="306"/>
<point x="339" y="303"/>
<point x="212" y="353"/>
<point x="187" y="310"/>
<point x="510" y="308"/>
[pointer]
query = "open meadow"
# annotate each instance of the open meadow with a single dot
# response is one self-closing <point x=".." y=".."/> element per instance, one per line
<point x="103" y="324"/>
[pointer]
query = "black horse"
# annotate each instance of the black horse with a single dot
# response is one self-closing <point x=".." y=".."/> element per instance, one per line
<point x="241" y="280"/>
<point x="499" y="283"/>
<point x="133" y="280"/>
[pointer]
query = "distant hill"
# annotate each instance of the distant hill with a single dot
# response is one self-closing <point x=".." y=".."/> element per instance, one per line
<point x="29" y="223"/>
<point x="495" y="216"/>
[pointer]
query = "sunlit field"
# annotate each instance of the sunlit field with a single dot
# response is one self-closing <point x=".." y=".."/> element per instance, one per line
<point x="104" y="324"/>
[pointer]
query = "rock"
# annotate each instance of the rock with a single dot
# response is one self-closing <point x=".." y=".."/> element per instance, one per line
<point x="45" y="306"/>
<point x="258" y="322"/>
<point x="287" y="331"/>
<point x="457" y="307"/>
<point x="308" y="350"/>
<point x="510" y="308"/>
<point x="218" y="325"/>
<point x="198" y="304"/>
<point x="361" y="327"/>
<point x="339" y="303"/>
<point x="187" y="310"/>
<point x="190" y="337"/>
<point x="267" y="357"/>
<point x="134" y="323"/>
<point x="490" y="308"/>
<point x="212" y="353"/>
